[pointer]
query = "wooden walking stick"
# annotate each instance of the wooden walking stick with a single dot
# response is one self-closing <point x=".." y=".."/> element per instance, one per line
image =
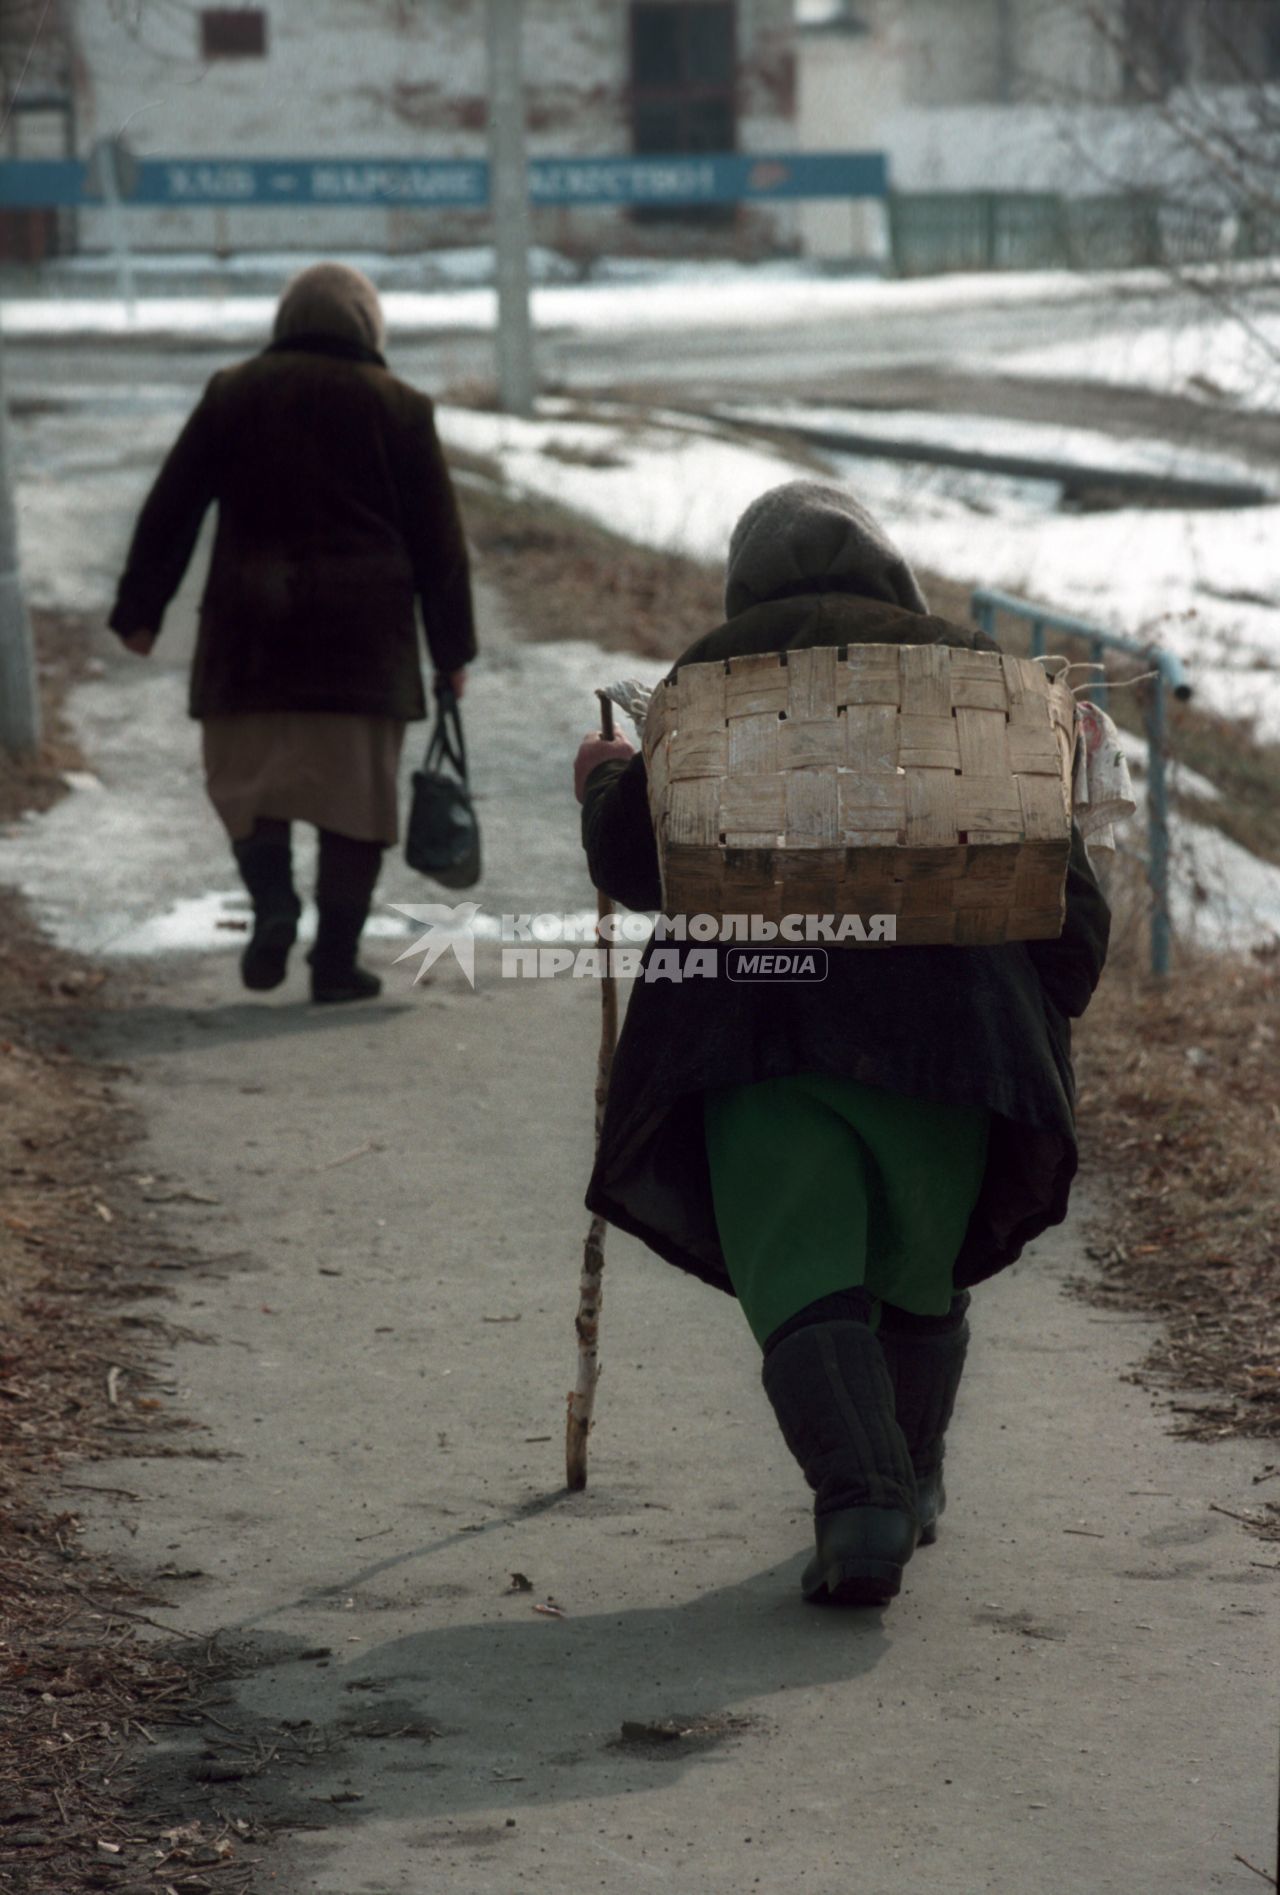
<point x="590" y="1289"/>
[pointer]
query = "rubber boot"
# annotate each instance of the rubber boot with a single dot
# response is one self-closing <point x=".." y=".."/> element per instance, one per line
<point x="266" y="868"/>
<point x="335" y="977"/>
<point x="832" y="1396"/>
<point x="925" y="1357"/>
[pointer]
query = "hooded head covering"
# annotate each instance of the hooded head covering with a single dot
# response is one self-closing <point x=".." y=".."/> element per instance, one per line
<point x="331" y="300"/>
<point x="810" y="537"/>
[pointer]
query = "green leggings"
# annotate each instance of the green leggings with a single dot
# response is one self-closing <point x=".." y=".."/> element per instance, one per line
<point x="822" y="1184"/>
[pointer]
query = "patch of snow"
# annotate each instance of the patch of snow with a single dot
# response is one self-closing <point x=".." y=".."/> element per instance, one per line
<point x="203" y="924"/>
<point x="1232" y="358"/>
<point x="1205" y="584"/>
<point x="673" y="490"/>
<point x="680" y="490"/>
<point x="1221" y="897"/>
<point x="693" y="296"/>
<point x="985" y="434"/>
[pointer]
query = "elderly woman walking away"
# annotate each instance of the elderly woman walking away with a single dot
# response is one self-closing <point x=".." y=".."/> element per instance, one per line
<point x="849" y="1157"/>
<point x="335" y="512"/>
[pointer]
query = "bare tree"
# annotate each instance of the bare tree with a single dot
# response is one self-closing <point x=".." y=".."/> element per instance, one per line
<point x="1210" y="76"/>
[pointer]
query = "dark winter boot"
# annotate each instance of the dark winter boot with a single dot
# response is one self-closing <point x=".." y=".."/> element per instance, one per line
<point x="925" y="1358"/>
<point x="335" y="977"/>
<point x="347" y="874"/>
<point x="266" y="867"/>
<point x="831" y="1393"/>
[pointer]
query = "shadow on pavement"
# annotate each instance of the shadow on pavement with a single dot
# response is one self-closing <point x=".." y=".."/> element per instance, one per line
<point x="511" y="1711"/>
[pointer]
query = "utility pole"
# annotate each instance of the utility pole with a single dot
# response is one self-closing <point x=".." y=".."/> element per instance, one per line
<point x="19" y="696"/>
<point x="509" y="207"/>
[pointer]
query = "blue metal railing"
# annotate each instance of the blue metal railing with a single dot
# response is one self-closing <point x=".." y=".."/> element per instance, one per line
<point x="987" y="603"/>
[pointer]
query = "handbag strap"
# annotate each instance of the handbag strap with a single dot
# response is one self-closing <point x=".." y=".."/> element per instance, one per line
<point x="447" y="743"/>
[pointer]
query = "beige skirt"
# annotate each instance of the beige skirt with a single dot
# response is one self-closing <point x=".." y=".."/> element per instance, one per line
<point x="321" y="767"/>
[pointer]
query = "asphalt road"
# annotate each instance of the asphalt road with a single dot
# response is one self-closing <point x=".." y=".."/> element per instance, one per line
<point x="948" y="359"/>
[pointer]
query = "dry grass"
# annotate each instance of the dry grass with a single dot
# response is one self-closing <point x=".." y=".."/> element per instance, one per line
<point x="78" y="1256"/>
<point x="1180" y="1110"/>
<point x="79" y="1253"/>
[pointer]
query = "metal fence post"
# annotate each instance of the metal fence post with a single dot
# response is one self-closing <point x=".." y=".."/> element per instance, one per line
<point x="1157" y="826"/>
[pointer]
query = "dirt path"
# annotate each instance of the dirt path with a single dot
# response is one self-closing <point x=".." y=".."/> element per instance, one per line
<point x="1072" y="1692"/>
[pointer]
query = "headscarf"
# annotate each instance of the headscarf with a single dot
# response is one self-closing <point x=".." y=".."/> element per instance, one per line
<point x="331" y="300"/>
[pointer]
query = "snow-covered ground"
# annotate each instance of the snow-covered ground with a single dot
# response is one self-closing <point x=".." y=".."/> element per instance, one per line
<point x="669" y="487"/>
<point x="642" y="299"/>
<point x="1206" y="584"/>
<point x="1236" y="357"/>
<point x="995" y="435"/>
<point x="1220" y="896"/>
<point x="680" y="488"/>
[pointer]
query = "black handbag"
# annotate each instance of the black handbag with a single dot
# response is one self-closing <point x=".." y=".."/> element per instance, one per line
<point x="443" y="839"/>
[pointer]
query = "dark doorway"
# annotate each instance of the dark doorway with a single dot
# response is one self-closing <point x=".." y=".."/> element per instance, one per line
<point x="684" y="58"/>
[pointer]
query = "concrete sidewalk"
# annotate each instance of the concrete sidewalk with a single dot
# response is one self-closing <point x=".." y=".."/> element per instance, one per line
<point x="1074" y="1691"/>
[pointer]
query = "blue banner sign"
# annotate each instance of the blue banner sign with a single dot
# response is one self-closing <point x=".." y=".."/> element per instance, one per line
<point x="716" y="179"/>
<point x="440" y="183"/>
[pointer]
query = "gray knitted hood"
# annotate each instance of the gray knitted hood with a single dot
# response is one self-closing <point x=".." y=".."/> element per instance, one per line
<point x="807" y="536"/>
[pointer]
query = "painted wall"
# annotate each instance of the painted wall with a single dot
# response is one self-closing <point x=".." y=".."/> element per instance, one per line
<point x="401" y="78"/>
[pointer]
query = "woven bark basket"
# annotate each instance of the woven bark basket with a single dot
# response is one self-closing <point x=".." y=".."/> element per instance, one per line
<point x="917" y="781"/>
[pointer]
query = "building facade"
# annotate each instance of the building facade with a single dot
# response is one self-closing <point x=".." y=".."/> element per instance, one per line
<point x="406" y="79"/>
<point x="1075" y="98"/>
<point x="37" y="114"/>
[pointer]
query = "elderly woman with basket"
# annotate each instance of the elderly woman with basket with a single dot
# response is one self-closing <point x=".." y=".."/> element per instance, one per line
<point x="336" y="516"/>
<point x="849" y="1157"/>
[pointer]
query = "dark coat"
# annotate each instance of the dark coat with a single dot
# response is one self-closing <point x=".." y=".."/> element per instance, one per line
<point x="335" y="510"/>
<point x="983" y="1026"/>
